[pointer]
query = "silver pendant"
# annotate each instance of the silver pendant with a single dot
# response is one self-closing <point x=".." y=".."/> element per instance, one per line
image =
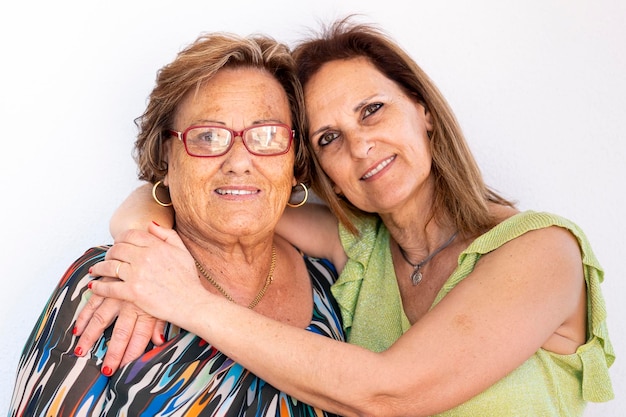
<point x="416" y="276"/>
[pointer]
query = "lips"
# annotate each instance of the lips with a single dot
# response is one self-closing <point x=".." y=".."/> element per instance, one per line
<point x="378" y="168"/>
<point x="236" y="191"/>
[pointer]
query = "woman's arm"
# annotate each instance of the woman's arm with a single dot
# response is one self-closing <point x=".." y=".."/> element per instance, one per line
<point x="138" y="210"/>
<point x="312" y="228"/>
<point x="315" y="231"/>
<point x="487" y="326"/>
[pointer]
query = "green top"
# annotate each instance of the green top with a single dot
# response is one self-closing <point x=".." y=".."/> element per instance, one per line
<point x="547" y="384"/>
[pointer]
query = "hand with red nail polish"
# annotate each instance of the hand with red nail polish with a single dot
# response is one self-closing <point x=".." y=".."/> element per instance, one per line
<point x="132" y="332"/>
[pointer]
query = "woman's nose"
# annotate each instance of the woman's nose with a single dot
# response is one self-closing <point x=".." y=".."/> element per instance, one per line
<point x="238" y="158"/>
<point x="360" y="145"/>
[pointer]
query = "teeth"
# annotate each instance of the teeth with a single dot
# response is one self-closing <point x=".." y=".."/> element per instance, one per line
<point x="378" y="168"/>
<point x="235" y="192"/>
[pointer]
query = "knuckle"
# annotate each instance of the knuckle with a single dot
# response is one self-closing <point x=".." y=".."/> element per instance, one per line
<point x="121" y="333"/>
<point x="93" y="302"/>
<point x="114" y="355"/>
<point x="100" y="320"/>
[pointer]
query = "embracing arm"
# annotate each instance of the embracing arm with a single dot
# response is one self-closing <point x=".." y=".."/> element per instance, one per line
<point x="461" y="347"/>
<point x="315" y="230"/>
<point x="312" y="228"/>
<point x="138" y="210"/>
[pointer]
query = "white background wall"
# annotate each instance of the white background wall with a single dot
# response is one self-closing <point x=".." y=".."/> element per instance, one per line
<point x="539" y="87"/>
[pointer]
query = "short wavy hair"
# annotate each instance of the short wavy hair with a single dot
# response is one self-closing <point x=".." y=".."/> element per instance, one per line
<point x="197" y="64"/>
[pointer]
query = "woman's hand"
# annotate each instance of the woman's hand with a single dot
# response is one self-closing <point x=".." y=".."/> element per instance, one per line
<point x="131" y="334"/>
<point x="156" y="273"/>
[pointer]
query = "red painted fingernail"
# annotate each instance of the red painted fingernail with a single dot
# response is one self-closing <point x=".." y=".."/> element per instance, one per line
<point x="90" y="284"/>
<point x="90" y="269"/>
<point x="106" y="371"/>
<point x="74" y="330"/>
<point x="162" y="338"/>
<point x="156" y="223"/>
<point x="78" y="351"/>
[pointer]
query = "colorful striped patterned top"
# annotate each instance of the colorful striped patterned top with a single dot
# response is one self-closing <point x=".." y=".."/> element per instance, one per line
<point x="186" y="376"/>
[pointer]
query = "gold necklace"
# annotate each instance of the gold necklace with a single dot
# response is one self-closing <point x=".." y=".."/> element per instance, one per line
<point x="261" y="293"/>
<point x="416" y="275"/>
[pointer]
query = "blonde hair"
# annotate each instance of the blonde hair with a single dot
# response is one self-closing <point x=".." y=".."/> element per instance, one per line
<point x="461" y="196"/>
<point x="197" y="64"/>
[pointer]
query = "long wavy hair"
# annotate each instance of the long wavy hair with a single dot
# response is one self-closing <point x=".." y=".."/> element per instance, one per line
<point x="461" y="195"/>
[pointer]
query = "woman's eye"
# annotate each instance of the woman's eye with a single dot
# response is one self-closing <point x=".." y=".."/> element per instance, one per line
<point x="327" y="138"/>
<point x="371" y="109"/>
<point x="207" y="137"/>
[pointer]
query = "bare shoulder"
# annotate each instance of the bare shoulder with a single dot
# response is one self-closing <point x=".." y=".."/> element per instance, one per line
<point x="546" y="270"/>
<point x="547" y="259"/>
<point x="544" y="243"/>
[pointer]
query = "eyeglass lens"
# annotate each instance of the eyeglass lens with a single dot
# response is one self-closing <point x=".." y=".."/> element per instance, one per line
<point x="214" y="140"/>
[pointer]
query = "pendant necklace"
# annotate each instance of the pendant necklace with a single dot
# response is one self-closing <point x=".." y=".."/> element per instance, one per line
<point x="257" y="299"/>
<point x="416" y="275"/>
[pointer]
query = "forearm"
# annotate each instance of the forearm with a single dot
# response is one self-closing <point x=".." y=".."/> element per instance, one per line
<point x="328" y="374"/>
<point x="317" y="370"/>
<point x="423" y="373"/>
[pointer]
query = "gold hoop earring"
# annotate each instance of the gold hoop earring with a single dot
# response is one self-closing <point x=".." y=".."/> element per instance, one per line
<point x="306" y="197"/>
<point x="154" y="195"/>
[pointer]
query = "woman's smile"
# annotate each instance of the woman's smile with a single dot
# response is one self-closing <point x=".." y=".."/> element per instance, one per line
<point x="378" y="168"/>
<point x="237" y="191"/>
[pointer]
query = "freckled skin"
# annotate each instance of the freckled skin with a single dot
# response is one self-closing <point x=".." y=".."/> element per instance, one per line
<point x="234" y="98"/>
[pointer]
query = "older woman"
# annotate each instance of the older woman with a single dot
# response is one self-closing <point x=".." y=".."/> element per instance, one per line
<point x="221" y="132"/>
<point x="454" y="301"/>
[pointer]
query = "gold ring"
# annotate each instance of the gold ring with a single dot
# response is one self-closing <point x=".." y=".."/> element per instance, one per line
<point x="117" y="270"/>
